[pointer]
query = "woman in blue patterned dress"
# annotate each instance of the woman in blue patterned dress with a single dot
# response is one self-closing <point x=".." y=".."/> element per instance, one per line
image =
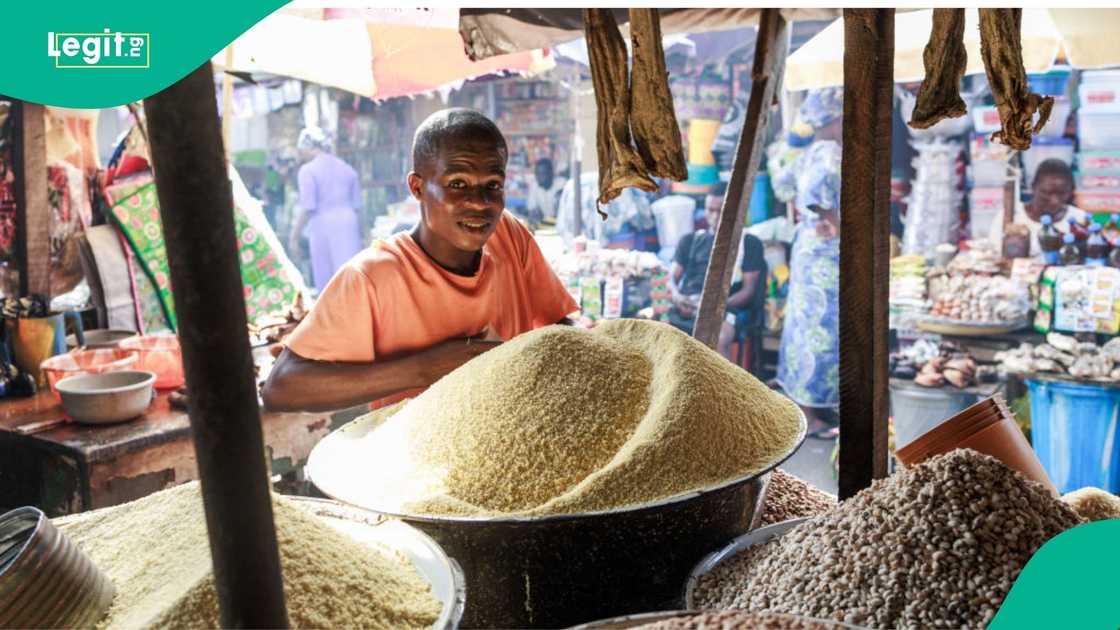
<point x="809" y="360"/>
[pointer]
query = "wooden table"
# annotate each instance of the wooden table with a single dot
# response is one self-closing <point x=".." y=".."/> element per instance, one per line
<point x="73" y="467"/>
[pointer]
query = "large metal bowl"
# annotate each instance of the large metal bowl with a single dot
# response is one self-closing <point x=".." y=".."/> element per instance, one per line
<point x="629" y="622"/>
<point x="558" y="571"/>
<point x="107" y="398"/>
<point x="441" y="572"/>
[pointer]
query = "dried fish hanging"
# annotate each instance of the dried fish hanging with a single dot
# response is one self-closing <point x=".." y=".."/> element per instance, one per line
<point x="649" y="107"/>
<point x="945" y="60"/>
<point x="1001" y="48"/>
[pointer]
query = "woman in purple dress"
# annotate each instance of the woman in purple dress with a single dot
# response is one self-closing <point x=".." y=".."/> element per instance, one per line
<point x="329" y="198"/>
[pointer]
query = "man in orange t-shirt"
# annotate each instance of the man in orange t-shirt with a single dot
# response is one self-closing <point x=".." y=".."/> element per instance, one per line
<point x="406" y="311"/>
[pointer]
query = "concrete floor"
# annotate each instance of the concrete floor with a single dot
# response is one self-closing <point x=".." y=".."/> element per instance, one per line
<point x="811" y="463"/>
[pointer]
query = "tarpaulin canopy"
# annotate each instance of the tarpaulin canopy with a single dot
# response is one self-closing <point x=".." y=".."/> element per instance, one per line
<point x="378" y="53"/>
<point x="1087" y="36"/>
<point x="490" y="32"/>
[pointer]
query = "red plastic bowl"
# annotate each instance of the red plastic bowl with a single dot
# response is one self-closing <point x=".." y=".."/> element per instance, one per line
<point x="159" y="354"/>
<point x="90" y="361"/>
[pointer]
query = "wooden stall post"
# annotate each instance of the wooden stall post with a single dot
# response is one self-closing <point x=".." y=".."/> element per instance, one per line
<point x="864" y="237"/>
<point x="33" y="215"/>
<point x="196" y="206"/>
<point x="770" y="52"/>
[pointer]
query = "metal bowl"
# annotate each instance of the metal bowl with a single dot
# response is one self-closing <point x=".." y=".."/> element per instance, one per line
<point x="636" y="621"/>
<point x="108" y="397"/>
<point x="709" y="562"/>
<point x="561" y="570"/>
<point x="45" y="579"/>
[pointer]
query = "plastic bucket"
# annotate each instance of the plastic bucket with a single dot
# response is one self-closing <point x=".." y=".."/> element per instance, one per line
<point x="916" y="411"/>
<point x="760" y="200"/>
<point x="1073" y="427"/>
<point x="986" y="427"/>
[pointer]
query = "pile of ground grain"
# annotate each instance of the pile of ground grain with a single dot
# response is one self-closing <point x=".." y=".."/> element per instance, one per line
<point x="738" y="620"/>
<point x="1093" y="504"/>
<point x="563" y="420"/>
<point x="789" y="497"/>
<point x="156" y="552"/>
<point x="937" y="545"/>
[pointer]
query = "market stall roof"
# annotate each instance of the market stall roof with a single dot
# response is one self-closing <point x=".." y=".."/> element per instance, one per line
<point x="378" y="53"/>
<point x="490" y="32"/>
<point x="1087" y="37"/>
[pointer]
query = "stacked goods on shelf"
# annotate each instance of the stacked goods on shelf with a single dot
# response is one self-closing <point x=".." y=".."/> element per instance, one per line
<point x="933" y="215"/>
<point x="989" y="173"/>
<point x="613" y="283"/>
<point x="907" y="291"/>
<point x="1079" y="299"/>
<point x="1050" y="143"/>
<point x="971" y="290"/>
<point x="1098" y="130"/>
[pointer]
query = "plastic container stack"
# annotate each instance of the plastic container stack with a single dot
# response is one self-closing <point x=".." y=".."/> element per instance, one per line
<point x="933" y="215"/>
<point x="1098" y="129"/>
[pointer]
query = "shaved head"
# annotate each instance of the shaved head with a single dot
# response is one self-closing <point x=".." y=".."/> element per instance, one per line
<point x="453" y="124"/>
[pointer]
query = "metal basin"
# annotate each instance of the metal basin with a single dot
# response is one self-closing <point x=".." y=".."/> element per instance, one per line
<point x="558" y="571"/>
<point x="443" y="573"/>
<point x="708" y="564"/>
<point x="108" y="397"/>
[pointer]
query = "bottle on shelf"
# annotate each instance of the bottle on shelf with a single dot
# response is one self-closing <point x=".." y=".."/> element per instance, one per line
<point x="1096" y="248"/>
<point x="1070" y="253"/>
<point x="1079" y="230"/>
<point x="1049" y="240"/>
<point x="1114" y="255"/>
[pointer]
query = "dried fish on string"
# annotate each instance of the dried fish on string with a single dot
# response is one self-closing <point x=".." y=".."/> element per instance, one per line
<point x="620" y="166"/>
<point x="1002" y="49"/>
<point x="652" y="118"/>
<point x="945" y="59"/>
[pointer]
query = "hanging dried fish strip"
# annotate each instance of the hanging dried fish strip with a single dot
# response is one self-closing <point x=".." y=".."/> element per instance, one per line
<point x="620" y="166"/>
<point x="1002" y="49"/>
<point x="652" y="118"/>
<point x="945" y="59"/>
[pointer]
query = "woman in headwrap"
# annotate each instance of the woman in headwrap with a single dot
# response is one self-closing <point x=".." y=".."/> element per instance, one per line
<point x="329" y="197"/>
<point x="809" y="360"/>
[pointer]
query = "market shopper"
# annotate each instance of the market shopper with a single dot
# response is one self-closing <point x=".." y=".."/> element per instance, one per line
<point x="1051" y="193"/>
<point x="329" y="197"/>
<point x="544" y="194"/>
<point x="809" y="355"/>
<point x="409" y="309"/>
<point x="690" y="265"/>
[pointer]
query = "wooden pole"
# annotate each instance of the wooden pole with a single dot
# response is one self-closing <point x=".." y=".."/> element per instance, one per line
<point x="864" y="252"/>
<point x="196" y="206"/>
<point x="770" y="52"/>
<point x="33" y="215"/>
<point x="227" y="99"/>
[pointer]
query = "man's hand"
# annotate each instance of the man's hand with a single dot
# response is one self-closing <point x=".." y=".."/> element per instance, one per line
<point x="443" y="358"/>
<point x="684" y="306"/>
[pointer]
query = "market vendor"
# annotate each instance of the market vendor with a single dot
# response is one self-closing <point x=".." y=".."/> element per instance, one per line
<point x="1051" y="193"/>
<point x="407" y="310"/>
<point x="544" y="194"/>
<point x="690" y="265"/>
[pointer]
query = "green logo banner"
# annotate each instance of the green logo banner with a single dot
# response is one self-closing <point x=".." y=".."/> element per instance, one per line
<point x="103" y="54"/>
<point x="1069" y="583"/>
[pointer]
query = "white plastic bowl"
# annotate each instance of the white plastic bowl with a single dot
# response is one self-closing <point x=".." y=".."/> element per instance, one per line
<point x="108" y="397"/>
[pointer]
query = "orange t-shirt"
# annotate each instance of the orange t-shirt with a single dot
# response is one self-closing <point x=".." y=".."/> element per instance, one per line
<point x="393" y="298"/>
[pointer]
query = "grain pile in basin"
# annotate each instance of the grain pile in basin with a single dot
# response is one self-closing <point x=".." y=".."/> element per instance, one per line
<point x="562" y="420"/>
<point x="156" y="551"/>
<point x="934" y="546"/>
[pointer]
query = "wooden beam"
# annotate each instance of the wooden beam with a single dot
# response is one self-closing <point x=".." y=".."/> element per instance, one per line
<point x="864" y="246"/>
<point x="770" y="52"/>
<point x="196" y="207"/>
<point x="33" y="214"/>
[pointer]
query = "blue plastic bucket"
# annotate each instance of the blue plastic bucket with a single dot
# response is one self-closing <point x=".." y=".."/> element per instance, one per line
<point x="760" y="199"/>
<point x="1073" y="431"/>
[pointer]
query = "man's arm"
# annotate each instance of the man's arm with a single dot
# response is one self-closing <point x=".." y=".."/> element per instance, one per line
<point x="300" y="384"/>
<point x="742" y="297"/>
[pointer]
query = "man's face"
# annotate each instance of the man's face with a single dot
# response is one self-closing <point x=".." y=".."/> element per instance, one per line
<point x="1051" y="194"/>
<point x="462" y="191"/>
<point x="713" y="204"/>
<point x="544" y="175"/>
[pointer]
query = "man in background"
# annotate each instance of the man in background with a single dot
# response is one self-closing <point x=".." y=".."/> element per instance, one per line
<point x="544" y="194"/>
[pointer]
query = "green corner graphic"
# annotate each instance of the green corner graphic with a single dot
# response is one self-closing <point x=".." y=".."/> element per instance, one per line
<point x="118" y="52"/>
<point x="1069" y="583"/>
